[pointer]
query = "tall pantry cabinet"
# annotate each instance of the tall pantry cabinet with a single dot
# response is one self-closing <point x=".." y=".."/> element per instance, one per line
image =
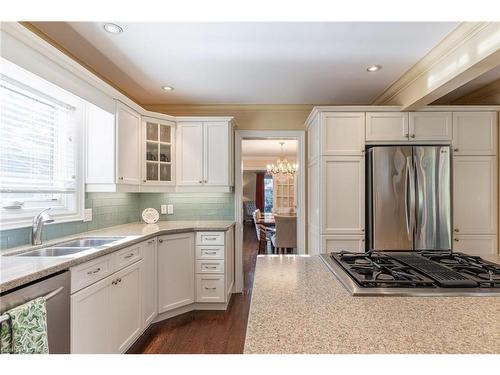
<point x="336" y="171"/>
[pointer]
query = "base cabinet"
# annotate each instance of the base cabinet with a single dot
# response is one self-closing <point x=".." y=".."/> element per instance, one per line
<point x="149" y="281"/>
<point x="479" y="244"/>
<point x="106" y="316"/>
<point x="354" y="244"/>
<point x="175" y="271"/>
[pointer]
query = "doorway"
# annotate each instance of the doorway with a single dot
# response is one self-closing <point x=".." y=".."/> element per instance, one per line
<point x="259" y="186"/>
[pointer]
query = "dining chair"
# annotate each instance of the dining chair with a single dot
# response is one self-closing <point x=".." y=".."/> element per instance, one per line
<point x="285" y="237"/>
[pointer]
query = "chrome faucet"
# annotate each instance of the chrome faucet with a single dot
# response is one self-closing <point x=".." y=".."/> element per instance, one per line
<point x="38" y="221"/>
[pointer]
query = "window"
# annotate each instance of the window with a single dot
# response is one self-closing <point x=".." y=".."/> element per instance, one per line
<point x="268" y="193"/>
<point x="40" y="148"/>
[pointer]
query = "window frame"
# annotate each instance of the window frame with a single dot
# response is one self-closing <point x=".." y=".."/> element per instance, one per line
<point x="23" y="217"/>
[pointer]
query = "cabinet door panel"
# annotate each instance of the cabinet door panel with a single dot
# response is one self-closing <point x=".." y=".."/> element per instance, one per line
<point x="342" y="194"/>
<point x="475" y="133"/>
<point x="175" y="271"/>
<point x="216" y="158"/>
<point x="90" y="319"/>
<point x="430" y="126"/>
<point x="128" y="124"/>
<point x="189" y="159"/>
<point x="355" y="244"/>
<point x="386" y="126"/>
<point x="343" y="133"/>
<point x="125" y="307"/>
<point x="479" y="244"/>
<point x="149" y="281"/>
<point x="475" y="194"/>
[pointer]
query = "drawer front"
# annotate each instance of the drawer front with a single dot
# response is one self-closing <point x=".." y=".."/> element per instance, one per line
<point x="126" y="256"/>
<point x="209" y="252"/>
<point x="209" y="266"/>
<point x="210" y="288"/>
<point x="209" y="238"/>
<point x="90" y="272"/>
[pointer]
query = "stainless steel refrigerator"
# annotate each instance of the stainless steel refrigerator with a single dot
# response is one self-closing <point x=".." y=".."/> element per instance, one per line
<point x="408" y="198"/>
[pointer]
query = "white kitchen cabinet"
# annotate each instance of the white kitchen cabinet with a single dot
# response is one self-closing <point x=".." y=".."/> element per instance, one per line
<point x="204" y="153"/>
<point x="342" y="133"/>
<point x="175" y="271"/>
<point x="387" y="126"/>
<point x="430" y="126"/>
<point x="474" y="133"/>
<point x="190" y="153"/>
<point x="149" y="281"/>
<point x="91" y="319"/>
<point x="128" y="145"/>
<point x="337" y="243"/>
<point x="106" y="316"/>
<point x="475" y="185"/>
<point x="158" y="161"/>
<point x="125" y="307"/>
<point x="475" y="244"/>
<point x="343" y="195"/>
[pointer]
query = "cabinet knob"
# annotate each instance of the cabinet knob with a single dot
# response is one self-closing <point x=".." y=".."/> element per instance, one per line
<point x="456" y="230"/>
<point x="120" y="178"/>
<point x="200" y="182"/>
<point x="456" y="239"/>
<point x="413" y="136"/>
<point x="205" y="181"/>
<point x="160" y="240"/>
<point x="144" y="181"/>
<point x="455" y="149"/>
<point x="362" y="229"/>
<point x="363" y="151"/>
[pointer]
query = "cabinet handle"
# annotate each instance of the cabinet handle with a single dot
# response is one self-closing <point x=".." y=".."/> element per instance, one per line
<point x="151" y="242"/>
<point x="94" y="271"/>
<point x="211" y="267"/>
<point x="456" y="239"/>
<point x="210" y="252"/>
<point x="120" y="280"/>
<point x="120" y="178"/>
<point x="455" y="149"/>
<point x="456" y="230"/>
<point x="160" y="240"/>
<point x="211" y="238"/>
<point x="129" y="256"/>
<point x="207" y="288"/>
<point x="413" y="136"/>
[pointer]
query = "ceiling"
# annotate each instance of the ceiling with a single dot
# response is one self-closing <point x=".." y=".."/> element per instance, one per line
<point x="471" y="86"/>
<point x="250" y="63"/>
<point x="260" y="148"/>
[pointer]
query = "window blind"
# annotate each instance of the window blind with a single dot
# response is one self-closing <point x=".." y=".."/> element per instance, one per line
<point x="37" y="141"/>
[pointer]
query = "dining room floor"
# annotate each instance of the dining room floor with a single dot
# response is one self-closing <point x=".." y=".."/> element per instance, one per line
<point x="203" y="331"/>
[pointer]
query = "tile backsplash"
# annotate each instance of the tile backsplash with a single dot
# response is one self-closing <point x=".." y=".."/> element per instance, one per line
<point x="110" y="209"/>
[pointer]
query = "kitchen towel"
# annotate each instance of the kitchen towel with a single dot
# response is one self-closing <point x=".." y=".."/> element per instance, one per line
<point x="26" y="330"/>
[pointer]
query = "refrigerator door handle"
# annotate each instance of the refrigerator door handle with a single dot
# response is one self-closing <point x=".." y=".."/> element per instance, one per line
<point x="407" y="198"/>
<point x="412" y="197"/>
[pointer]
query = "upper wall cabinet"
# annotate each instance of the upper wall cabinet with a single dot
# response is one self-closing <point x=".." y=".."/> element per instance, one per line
<point x="342" y="133"/>
<point x="430" y="126"/>
<point x="158" y="152"/>
<point x="128" y="145"/>
<point x="474" y="133"/>
<point x="204" y="153"/>
<point x="387" y="126"/>
<point x="113" y="144"/>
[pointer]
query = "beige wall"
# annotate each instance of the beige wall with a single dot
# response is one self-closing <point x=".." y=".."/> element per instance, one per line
<point x="249" y="184"/>
<point x="247" y="117"/>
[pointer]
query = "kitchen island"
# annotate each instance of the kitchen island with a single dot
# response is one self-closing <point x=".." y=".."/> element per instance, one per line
<point x="298" y="306"/>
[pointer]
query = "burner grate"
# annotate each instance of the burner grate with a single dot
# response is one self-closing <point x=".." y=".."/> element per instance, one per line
<point x="444" y="276"/>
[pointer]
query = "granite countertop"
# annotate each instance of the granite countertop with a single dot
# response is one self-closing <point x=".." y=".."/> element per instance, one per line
<point x="17" y="271"/>
<point x="298" y="306"/>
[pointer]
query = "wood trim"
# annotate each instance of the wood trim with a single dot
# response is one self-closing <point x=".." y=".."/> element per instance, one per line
<point x="489" y="92"/>
<point x="419" y="85"/>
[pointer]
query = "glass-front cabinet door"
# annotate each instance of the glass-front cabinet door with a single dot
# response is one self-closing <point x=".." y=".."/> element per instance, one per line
<point x="158" y="165"/>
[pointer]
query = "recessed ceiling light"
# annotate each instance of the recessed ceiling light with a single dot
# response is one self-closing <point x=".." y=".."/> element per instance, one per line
<point x="167" y="88"/>
<point x="373" y="68"/>
<point x="112" y="28"/>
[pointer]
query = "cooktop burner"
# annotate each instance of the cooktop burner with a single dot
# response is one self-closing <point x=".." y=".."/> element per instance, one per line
<point x="414" y="273"/>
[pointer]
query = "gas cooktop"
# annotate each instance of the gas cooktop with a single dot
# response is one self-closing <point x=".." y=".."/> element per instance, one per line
<point x="414" y="273"/>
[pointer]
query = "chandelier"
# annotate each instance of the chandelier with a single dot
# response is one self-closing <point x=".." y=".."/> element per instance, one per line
<point x="282" y="166"/>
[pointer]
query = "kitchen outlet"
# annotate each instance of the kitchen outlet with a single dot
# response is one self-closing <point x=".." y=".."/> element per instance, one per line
<point x="163" y="209"/>
<point x="170" y="209"/>
<point x="87" y="214"/>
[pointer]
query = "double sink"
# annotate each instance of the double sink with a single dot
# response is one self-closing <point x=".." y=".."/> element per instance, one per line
<point x="72" y="247"/>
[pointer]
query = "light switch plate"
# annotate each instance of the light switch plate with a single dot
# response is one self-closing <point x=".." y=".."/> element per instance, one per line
<point x="163" y="209"/>
<point x="170" y="209"/>
<point x="87" y="214"/>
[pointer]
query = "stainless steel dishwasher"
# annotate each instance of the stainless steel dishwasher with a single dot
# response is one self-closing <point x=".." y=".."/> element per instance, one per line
<point x="57" y="290"/>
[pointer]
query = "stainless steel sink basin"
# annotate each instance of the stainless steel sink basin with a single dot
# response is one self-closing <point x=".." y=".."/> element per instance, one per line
<point x="89" y="242"/>
<point x="72" y="247"/>
<point x="54" y="252"/>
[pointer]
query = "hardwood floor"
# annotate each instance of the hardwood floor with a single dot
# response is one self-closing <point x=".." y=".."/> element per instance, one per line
<point x="214" y="332"/>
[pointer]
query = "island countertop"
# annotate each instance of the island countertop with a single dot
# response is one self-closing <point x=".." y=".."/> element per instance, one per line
<point x="298" y="306"/>
<point x="17" y="271"/>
